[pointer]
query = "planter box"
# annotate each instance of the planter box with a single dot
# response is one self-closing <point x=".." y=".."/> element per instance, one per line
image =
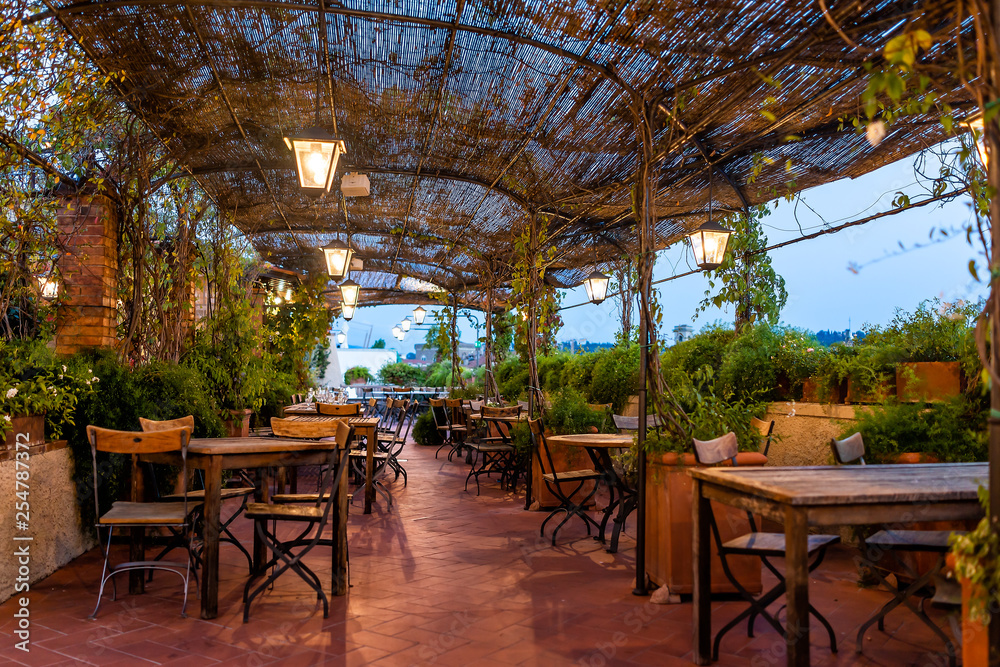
<point x="975" y="638"/>
<point x="811" y="392"/>
<point x="564" y="458"/>
<point x="31" y="428"/>
<point x="928" y="381"/>
<point x="669" y="531"/>
<point x="876" y="395"/>
<point x="238" y="424"/>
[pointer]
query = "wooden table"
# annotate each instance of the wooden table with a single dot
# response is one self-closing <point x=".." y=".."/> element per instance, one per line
<point x="213" y="455"/>
<point x="599" y="446"/>
<point x="822" y="496"/>
<point x="363" y="426"/>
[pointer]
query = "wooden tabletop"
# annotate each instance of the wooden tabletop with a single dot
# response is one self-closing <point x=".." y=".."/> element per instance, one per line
<point x="868" y="484"/>
<point x="596" y="440"/>
<point x="222" y="446"/>
<point x="510" y="419"/>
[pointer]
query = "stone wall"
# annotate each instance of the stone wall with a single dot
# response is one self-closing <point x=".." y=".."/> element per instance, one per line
<point x="803" y="431"/>
<point x="54" y="523"/>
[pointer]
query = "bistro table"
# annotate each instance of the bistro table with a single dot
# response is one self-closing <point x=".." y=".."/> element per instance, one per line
<point x="599" y="446"/>
<point x="363" y="426"/>
<point x="213" y="455"/>
<point x="802" y="497"/>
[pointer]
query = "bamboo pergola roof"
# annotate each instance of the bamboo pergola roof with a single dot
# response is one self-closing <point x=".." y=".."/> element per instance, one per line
<point x="470" y="116"/>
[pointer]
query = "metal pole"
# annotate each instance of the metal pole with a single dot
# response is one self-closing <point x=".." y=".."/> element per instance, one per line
<point x="644" y="335"/>
<point x="454" y="340"/>
<point x="487" y="344"/>
<point x="992" y="138"/>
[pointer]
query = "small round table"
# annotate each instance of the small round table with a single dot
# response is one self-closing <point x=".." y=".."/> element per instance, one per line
<point x="599" y="446"/>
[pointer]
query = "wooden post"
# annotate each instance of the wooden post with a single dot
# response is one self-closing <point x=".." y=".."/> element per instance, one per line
<point x="702" y="631"/>
<point x="454" y="340"/>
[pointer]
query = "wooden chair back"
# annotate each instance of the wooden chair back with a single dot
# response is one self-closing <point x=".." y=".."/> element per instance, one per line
<point x="764" y="428"/>
<point x="537" y="431"/>
<point x="135" y="443"/>
<point x="152" y="425"/>
<point x="848" y="450"/>
<point x="313" y="430"/>
<point x="509" y="411"/>
<point x="439" y="411"/>
<point x="717" y="450"/>
<point x="623" y="423"/>
<point x="455" y="415"/>
<point x="346" y="410"/>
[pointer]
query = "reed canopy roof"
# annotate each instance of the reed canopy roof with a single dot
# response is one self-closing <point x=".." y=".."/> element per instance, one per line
<point x="469" y="116"/>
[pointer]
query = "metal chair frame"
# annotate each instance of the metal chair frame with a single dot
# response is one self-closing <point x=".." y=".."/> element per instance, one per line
<point x="714" y="452"/>
<point x="284" y="558"/>
<point x="135" y="443"/>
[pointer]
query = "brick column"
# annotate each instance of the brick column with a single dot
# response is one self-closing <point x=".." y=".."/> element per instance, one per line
<point x="88" y="231"/>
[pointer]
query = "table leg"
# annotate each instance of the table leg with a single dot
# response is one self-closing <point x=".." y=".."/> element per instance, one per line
<point x="339" y="523"/>
<point x="797" y="580"/>
<point x="701" y="558"/>
<point x="137" y="545"/>
<point x="369" y="469"/>
<point x="261" y="494"/>
<point x="210" y="553"/>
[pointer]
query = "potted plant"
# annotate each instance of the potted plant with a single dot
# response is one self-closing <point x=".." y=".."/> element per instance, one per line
<point x="227" y="352"/>
<point x="669" y="490"/>
<point x="357" y="375"/>
<point x="569" y="413"/>
<point x="38" y="391"/>
<point x="975" y="559"/>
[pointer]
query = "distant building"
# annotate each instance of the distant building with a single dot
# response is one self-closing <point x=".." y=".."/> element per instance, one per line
<point x="580" y="346"/>
<point x="828" y="338"/>
<point x="682" y="332"/>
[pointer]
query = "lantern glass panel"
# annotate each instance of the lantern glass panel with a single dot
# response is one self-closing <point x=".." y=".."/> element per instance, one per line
<point x="315" y="162"/>
<point x="347" y="312"/>
<point x="597" y="286"/>
<point x="349" y="292"/>
<point x="418" y="315"/>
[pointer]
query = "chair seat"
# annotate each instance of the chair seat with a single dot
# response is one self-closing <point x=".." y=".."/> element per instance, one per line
<point x="199" y="495"/>
<point x="461" y="429"/>
<point x="912" y="540"/>
<point x="301" y="497"/>
<point x="773" y="544"/>
<point x="148" y="514"/>
<point x="487" y="447"/>
<point x="284" y="512"/>
<point x="571" y="476"/>
<point x="361" y="454"/>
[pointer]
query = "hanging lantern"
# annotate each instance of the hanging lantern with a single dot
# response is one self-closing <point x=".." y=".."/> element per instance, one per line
<point x="418" y="315"/>
<point x="338" y="259"/>
<point x="709" y="244"/>
<point x="349" y="293"/>
<point x="347" y="312"/>
<point x="597" y="286"/>
<point x="396" y="332"/>
<point x="405" y="324"/>
<point x="48" y="287"/>
<point x="316" y="155"/>
<point x="979" y="135"/>
<point x="341" y="338"/>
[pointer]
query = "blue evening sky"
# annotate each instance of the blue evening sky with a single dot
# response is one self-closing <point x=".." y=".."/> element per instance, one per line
<point x="849" y="278"/>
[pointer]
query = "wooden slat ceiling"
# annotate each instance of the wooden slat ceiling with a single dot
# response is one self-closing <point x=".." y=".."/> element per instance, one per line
<point x="468" y="115"/>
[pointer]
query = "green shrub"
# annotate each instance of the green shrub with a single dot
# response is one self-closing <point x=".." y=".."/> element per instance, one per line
<point x="439" y="374"/>
<point x="952" y="431"/>
<point x="570" y="413"/>
<point x="578" y="371"/>
<point x="357" y="373"/>
<point x="748" y="371"/>
<point x="401" y="374"/>
<point x="615" y="376"/>
<point x="550" y="371"/>
<point x="512" y="379"/>
<point x="425" y="432"/>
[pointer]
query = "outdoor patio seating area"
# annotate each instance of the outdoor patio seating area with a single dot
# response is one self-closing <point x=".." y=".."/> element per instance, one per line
<point x="447" y="578"/>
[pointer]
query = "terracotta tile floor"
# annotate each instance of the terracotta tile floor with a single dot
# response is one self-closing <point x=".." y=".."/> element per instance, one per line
<point x="445" y="578"/>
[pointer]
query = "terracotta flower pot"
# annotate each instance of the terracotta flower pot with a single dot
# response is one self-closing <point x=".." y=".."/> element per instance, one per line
<point x="975" y="635"/>
<point x="26" y="429"/>
<point x="669" y="530"/>
<point x="811" y="392"/>
<point x="238" y="424"/>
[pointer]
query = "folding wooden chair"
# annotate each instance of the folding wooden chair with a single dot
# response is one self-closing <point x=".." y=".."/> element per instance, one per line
<point x="890" y="541"/>
<point x="765" y="429"/>
<point x="141" y="515"/>
<point x="492" y="450"/>
<point x="311" y="518"/>
<point x="554" y="481"/>
<point x="760" y="544"/>
<point x="197" y="496"/>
